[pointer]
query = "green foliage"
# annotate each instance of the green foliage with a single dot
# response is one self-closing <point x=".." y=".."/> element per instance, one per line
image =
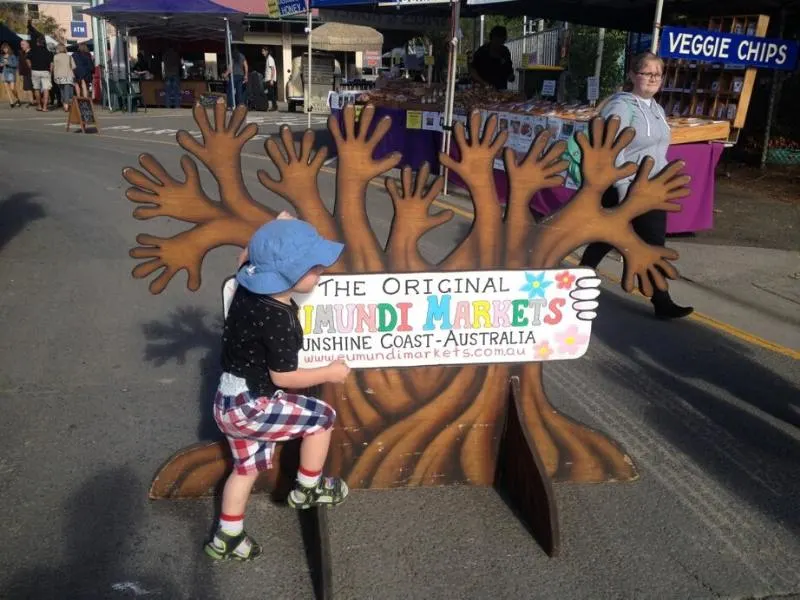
<point x="13" y="16"/>
<point x="471" y="30"/>
<point x="582" y="57"/>
<point x="46" y="25"/>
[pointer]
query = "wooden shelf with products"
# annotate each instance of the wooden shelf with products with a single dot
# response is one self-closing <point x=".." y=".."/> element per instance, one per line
<point x="709" y="101"/>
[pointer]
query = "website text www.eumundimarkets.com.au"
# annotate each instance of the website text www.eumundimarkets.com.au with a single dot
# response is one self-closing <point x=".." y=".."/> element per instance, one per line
<point x="401" y="355"/>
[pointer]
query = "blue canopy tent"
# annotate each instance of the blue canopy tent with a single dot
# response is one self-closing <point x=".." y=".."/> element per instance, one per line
<point x="172" y="19"/>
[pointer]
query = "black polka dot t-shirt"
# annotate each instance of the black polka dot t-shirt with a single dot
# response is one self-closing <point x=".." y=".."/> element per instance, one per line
<point x="260" y="334"/>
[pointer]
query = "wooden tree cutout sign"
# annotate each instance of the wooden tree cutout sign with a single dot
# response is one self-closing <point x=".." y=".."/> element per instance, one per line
<point x="428" y="425"/>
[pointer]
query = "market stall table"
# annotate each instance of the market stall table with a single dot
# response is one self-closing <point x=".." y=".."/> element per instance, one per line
<point x="697" y="212"/>
<point x="191" y="91"/>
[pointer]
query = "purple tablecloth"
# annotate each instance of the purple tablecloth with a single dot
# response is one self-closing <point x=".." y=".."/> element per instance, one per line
<point x="697" y="209"/>
<point x="701" y="160"/>
<point x="416" y="145"/>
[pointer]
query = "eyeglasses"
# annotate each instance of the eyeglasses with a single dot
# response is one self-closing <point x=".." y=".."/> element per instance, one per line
<point x="651" y="76"/>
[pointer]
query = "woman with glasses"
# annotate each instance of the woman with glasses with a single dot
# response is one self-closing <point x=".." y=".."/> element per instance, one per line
<point x="638" y="109"/>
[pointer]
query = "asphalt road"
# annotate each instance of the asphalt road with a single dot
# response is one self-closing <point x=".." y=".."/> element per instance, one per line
<point x="101" y="382"/>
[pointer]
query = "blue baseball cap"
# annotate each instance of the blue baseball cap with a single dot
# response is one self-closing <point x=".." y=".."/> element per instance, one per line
<point x="281" y="252"/>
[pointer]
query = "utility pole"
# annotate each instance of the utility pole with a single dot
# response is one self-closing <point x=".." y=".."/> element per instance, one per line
<point x="598" y="63"/>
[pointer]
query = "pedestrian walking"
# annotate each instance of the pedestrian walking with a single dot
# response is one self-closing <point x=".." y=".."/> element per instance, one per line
<point x="40" y="60"/>
<point x="25" y="71"/>
<point x="84" y="69"/>
<point x="9" y="65"/>
<point x="270" y="78"/>
<point x="639" y="109"/>
<point x="64" y="74"/>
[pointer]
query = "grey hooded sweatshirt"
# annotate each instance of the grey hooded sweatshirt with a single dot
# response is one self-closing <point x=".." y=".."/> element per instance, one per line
<point x="652" y="133"/>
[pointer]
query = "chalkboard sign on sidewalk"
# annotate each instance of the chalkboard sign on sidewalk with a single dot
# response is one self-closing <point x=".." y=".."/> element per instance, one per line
<point x="81" y="112"/>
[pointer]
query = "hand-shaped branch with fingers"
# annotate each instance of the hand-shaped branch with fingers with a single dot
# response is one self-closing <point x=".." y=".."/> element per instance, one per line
<point x="356" y="150"/>
<point x="412" y="218"/>
<point x="297" y="172"/>
<point x="478" y="152"/>
<point x="538" y="170"/>
<point x="658" y="193"/>
<point x="186" y="251"/>
<point x="601" y="151"/>
<point x="646" y="264"/>
<point x="220" y="140"/>
<point x="168" y="197"/>
<point x="297" y="182"/>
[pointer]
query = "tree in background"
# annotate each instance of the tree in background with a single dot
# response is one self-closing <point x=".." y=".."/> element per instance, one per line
<point x="582" y="56"/>
<point x="471" y="30"/>
<point x="12" y="15"/>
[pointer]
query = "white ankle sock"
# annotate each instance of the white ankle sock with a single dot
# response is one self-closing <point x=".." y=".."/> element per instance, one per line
<point x="230" y="524"/>
<point x="308" y="478"/>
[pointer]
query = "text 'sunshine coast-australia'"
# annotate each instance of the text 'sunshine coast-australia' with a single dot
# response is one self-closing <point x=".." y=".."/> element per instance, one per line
<point x="418" y="319"/>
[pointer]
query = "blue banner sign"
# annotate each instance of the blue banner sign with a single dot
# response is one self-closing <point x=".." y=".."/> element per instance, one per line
<point x="728" y="48"/>
<point x="78" y="29"/>
<point x="285" y="8"/>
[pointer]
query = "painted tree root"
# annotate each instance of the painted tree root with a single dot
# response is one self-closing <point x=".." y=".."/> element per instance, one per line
<point x="420" y="426"/>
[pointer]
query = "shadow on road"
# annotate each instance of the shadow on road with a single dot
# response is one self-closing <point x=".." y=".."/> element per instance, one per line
<point x="103" y="529"/>
<point x="17" y="211"/>
<point x="700" y="389"/>
<point x="188" y="329"/>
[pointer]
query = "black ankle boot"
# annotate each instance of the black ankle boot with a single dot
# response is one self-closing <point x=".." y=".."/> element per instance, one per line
<point x="666" y="309"/>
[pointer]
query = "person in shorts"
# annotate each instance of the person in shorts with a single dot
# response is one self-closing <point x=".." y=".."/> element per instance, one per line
<point x="84" y="69"/>
<point x="9" y="64"/>
<point x="253" y="407"/>
<point x="40" y="60"/>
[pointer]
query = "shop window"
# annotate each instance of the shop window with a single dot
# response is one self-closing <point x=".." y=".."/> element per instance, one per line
<point x="76" y="13"/>
<point x="33" y="11"/>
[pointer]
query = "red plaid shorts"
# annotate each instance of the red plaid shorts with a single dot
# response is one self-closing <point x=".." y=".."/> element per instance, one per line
<point x="253" y="424"/>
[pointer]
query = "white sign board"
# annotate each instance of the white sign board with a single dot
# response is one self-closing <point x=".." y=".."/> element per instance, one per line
<point x="453" y="318"/>
<point x="593" y="88"/>
<point x="549" y="87"/>
<point x="449" y="318"/>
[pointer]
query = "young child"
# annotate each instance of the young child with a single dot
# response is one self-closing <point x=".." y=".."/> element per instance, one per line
<point x="260" y="343"/>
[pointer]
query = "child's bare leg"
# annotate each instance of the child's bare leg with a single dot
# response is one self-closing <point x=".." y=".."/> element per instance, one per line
<point x="314" y="451"/>
<point x="237" y="492"/>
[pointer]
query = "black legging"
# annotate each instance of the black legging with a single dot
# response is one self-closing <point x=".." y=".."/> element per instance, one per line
<point x="651" y="227"/>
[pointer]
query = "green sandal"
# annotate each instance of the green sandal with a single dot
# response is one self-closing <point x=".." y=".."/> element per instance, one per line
<point x="330" y="491"/>
<point x="229" y="545"/>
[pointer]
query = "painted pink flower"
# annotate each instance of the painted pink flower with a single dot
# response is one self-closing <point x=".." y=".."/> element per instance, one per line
<point x="565" y="280"/>
<point x="542" y="350"/>
<point x="571" y="341"/>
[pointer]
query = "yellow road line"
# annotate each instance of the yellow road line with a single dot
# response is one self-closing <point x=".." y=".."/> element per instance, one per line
<point x="467" y="214"/>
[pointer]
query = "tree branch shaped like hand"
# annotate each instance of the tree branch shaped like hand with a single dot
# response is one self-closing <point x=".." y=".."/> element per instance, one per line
<point x="536" y="171"/>
<point x="221" y="153"/>
<point x="658" y="193"/>
<point x="412" y="218"/>
<point x="475" y="167"/>
<point x="297" y="182"/>
<point x="168" y="197"/>
<point x="186" y="251"/>
<point x="645" y="263"/>
<point x="584" y="219"/>
<point x="599" y="153"/>
<point x="357" y="167"/>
